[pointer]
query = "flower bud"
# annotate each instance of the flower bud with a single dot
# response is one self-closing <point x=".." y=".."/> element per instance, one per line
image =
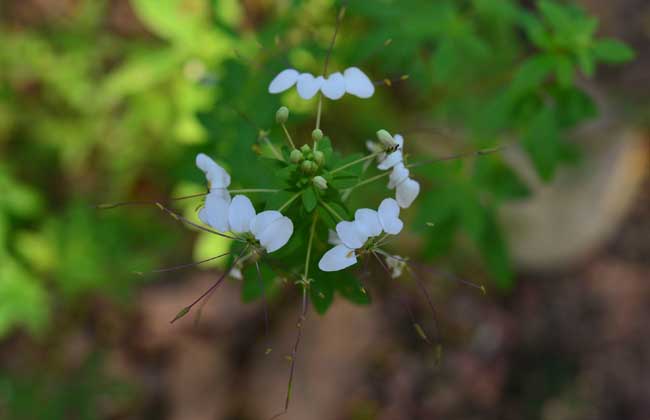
<point x="317" y="134"/>
<point x="319" y="182"/>
<point x="308" y="166"/>
<point x="305" y="148"/>
<point x="386" y="139"/>
<point x="282" y="115"/>
<point x="319" y="157"/>
<point x="296" y="156"/>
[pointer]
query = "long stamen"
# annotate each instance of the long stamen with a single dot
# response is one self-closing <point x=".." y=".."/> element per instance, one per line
<point x="209" y="291"/>
<point x="144" y="202"/>
<point x="360" y="160"/>
<point x="191" y="223"/>
<point x="474" y="153"/>
<point x="189" y="265"/>
<point x="418" y="328"/>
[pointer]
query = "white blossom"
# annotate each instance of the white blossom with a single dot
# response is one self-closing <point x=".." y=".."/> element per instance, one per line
<point x="351" y="236"/>
<point x="334" y="86"/>
<point x="270" y="228"/>
<point x="406" y="188"/>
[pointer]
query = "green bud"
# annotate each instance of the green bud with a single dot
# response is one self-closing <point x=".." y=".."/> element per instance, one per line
<point x="319" y="157"/>
<point x="296" y="156"/>
<point x="386" y="139"/>
<point x="282" y="115"/>
<point x="317" y="134"/>
<point x="305" y="148"/>
<point x="307" y="166"/>
<point x="319" y="182"/>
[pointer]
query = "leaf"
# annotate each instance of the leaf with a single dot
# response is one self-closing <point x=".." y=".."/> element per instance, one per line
<point x="309" y="199"/>
<point x="251" y="288"/>
<point x="321" y="293"/>
<point x="532" y="73"/>
<point x="541" y="142"/>
<point x="350" y="288"/>
<point x="613" y="51"/>
<point x="495" y="251"/>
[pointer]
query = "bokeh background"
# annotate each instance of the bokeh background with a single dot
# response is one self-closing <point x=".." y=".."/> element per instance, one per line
<point x="110" y="100"/>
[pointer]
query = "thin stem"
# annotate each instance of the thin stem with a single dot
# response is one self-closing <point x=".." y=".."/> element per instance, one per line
<point x="369" y="180"/>
<point x="194" y="264"/>
<point x="301" y="320"/>
<point x="339" y="19"/>
<point x="309" y="245"/>
<point x="356" y="162"/>
<point x="255" y="190"/>
<point x="288" y="136"/>
<point x="275" y="151"/>
<point x="318" y="113"/>
<point x="331" y="210"/>
<point x="291" y="200"/>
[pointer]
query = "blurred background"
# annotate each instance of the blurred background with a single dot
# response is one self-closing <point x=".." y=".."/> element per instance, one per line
<point x="110" y="100"/>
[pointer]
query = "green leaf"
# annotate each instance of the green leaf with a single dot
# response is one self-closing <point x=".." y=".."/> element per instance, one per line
<point x="532" y="73"/>
<point x="495" y="252"/>
<point x="350" y="288"/>
<point x="251" y="287"/>
<point x="541" y="142"/>
<point x="309" y="199"/>
<point x="321" y="292"/>
<point x="613" y="51"/>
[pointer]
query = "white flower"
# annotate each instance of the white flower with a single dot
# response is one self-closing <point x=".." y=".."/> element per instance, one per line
<point x="351" y="236"/>
<point x="407" y="189"/>
<point x="270" y="228"/>
<point x="352" y="81"/>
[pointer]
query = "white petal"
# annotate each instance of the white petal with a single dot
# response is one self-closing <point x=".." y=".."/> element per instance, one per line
<point x="399" y="140"/>
<point x="399" y="175"/>
<point x="308" y="85"/>
<point x="276" y="234"/>
<point x="263" y="220"/>
<point x="214" y="173"/>
<point x="389" y="216"/>
<point x="334" y="86"/>
<point x="357" y="83"/>
<point x="337" y="258"/>
<point x="391" y="160"/>
<point x="333" y="238"/>
<point x="215" y="211"/>
<point x="350" y="235"/>
<point x="283" y="81"/>
<point x="407" y="191"/>
<point x="367" y="222"/>
<point x="240" y="214"/>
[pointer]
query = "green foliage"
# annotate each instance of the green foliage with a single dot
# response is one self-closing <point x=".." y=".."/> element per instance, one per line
<point x="89" y="114"/>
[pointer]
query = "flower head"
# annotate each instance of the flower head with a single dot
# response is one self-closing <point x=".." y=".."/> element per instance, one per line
<point x="407" y="189"/>
<point x="334" y="86"/>
<point x="270" y="228"/>
<point x="351" y="236"/>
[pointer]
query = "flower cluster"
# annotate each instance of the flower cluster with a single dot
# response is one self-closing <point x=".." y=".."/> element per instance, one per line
<point x="269" y="228"/>
<point x="407" y="189"/>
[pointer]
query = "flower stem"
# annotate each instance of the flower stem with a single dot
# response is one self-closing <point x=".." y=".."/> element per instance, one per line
<point x="368" y="181"/>
<point x="291" y="200"/>
<point x="309" y="245"/>
<point x="288" y="136"/>
<point x="360" y="160"/>
<point x="275" y="151"/>
<point x="331" y="210"/>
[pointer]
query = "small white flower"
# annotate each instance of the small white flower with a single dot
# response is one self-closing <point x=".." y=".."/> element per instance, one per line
<point x="352" y="81"/>
<point x="270" y="228"/>
<point x="351" y="236"/>
<point x="407" y="189"/>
